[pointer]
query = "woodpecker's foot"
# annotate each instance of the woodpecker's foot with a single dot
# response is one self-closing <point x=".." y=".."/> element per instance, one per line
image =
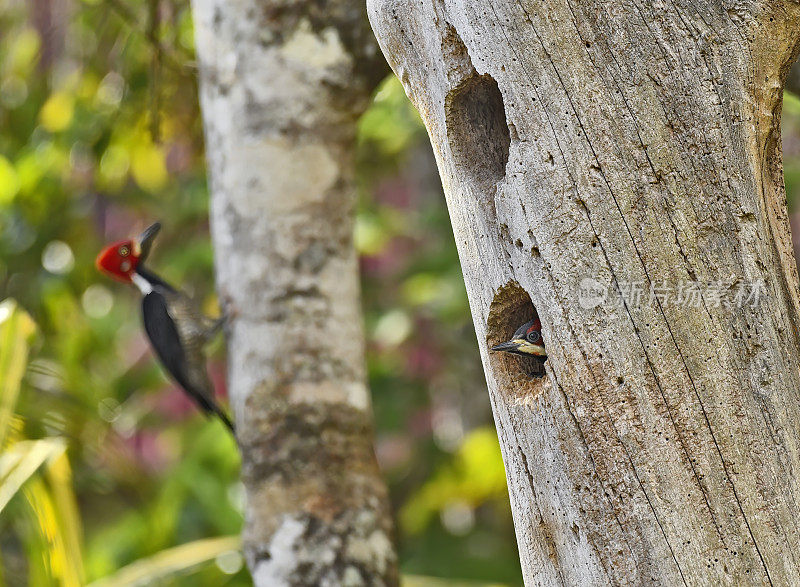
<point x="227" y="307"/>
<point x="215" y="326"/>
<point x="226" y="318"/>
<point x="218" y="324"/>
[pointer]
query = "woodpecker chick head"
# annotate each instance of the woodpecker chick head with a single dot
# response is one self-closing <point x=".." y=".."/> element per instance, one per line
<point x="120" y="259"/>
<point x="527" y="341"/>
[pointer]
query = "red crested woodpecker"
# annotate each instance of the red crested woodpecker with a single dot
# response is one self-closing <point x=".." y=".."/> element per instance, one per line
<point x="527" y="341"/>
<point x="176" y="329"/>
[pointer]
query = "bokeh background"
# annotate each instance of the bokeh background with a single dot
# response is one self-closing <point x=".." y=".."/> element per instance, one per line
<point x="106" y="469"/>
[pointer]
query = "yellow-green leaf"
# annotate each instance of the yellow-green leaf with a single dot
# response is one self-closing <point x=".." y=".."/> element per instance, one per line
<point x="475" y="475"/>
<point x="21" y="461"/>
<point x="370" y="237"/>
<point x="161" y="565"/>
<point x="56" y="113"/>
<point x="148" y="167"/>
<point x="16" y="331"/>
<point x="63" y="565"/>
<point x="114" y="166"/>
<point x="9" y="181"/>
<point x="24" y="50"/>
<point x="59" y="480"/>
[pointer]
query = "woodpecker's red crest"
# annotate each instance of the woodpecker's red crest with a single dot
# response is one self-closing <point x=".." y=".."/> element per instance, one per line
<point x="119" y="260"/>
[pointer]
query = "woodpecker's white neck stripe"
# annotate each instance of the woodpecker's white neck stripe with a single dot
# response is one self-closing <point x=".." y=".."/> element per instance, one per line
<point x="145" y="286"/>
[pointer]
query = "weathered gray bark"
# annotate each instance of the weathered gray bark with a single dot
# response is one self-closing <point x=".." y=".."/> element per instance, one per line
<point x="282" y="85"/>
<point x="626" y="142"/>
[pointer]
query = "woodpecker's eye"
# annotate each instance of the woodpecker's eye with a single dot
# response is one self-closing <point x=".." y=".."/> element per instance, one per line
<point x="533" y="336"/>
<point x="124" y="251"/>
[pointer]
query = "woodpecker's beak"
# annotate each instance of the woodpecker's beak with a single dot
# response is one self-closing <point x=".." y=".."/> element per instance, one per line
<point x="522" y="347"/>
<point x="145" y="240"/>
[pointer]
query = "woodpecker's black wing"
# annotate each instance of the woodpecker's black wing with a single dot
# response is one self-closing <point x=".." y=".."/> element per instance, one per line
<point x="164" y="337"/>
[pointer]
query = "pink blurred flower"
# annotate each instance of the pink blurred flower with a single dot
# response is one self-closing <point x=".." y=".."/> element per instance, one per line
<point x="392" y="260"/>
<point x="150" y="450"/>
<point x="393" y="451"/>
<point x="179" y="156"/>
<point x="397" y="192"/>
<point x="420" y="423"/>
<point x="423" y="361"/>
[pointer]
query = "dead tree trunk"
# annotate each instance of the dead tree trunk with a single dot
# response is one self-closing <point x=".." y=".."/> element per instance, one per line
<point x="617" y="166"/>
<point x="282" y="85"/>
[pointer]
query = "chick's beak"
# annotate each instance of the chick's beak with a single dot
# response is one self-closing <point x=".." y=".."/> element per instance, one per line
<point x="522" y="347"/>
<point x="509" y="346"/>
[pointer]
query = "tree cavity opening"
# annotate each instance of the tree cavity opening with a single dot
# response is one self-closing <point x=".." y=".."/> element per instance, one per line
<point x="477" y="129"/>
<point x="511" y="308"/>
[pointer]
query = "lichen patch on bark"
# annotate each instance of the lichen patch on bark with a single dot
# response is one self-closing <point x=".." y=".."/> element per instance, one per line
<point x="315" y="463"/>
<point x="345" y="552"/>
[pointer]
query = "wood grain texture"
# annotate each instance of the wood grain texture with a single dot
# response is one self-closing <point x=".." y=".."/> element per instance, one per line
<point x="282" y="86"/>
<point x="625" y="142"/>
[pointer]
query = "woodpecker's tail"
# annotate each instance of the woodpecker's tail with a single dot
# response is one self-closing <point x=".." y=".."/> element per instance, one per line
<point x="225" y="420"/>
<point x="211" y="408"/>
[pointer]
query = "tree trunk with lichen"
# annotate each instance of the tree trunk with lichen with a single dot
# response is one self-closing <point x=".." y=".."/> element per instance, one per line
<point x="282" y="85"/>
<point x="591" y="153"/>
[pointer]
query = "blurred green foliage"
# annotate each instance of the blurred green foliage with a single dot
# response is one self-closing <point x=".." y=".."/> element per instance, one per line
<point x="81" y="165"/>
<point x="100" y="133"/>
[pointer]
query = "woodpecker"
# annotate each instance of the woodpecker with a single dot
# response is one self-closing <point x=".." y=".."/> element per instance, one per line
<point x="527" y="341"/>
<point x="176" y="329"/>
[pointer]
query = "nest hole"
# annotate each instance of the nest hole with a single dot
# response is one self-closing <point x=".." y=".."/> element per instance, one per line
<point x="477" y="129"/>
<point x="511" y="308"/>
